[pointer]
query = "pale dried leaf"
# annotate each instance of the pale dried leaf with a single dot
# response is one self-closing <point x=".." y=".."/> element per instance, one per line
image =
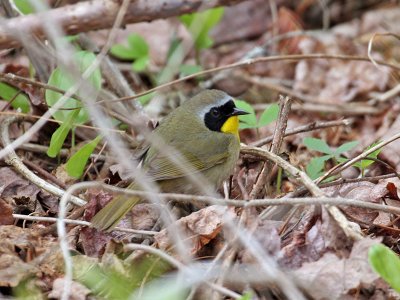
<point x="6" y="211"/>
<point x="77" y="291"/>
<point x="200" y="228"/>
<point x="365" y="191"/>
<point x="14" y="188"/>
<point x="332" y="277"/>
<point x="145" y="216"/>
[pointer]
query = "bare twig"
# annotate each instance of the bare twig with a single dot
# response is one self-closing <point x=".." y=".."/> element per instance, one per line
<point x="347" y="227"/>
<point x="63" y="152"/>
<point x="294" y="57"/>
<point x="42" y="172"/>
<point x="81" y="223"/>
<point x="340" y="167"/>
<point x="337" y="201"/>
<point x="305" y="128"/>
<point x="263" y="180"/>
<point x="300" y="191"/>
<point x="100" y="14"/>
<point x="30" y="117"/>
<point x="12" y="159"/>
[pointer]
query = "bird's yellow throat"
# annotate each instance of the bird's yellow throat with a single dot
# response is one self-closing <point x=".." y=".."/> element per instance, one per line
<point x="231" y="126"/>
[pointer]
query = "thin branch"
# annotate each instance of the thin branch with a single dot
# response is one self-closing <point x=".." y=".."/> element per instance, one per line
<point x="263" y="179"/>
<point x="81" y="223"/>
<point x="12" y="159"/>
<point x="294" y="57"/>
<point x="323" y="200"/>
<point x="29" y="117"/>
<point x="340" y="167"/>
<point x="341" y="181"/>
<point x="347" y="227"/>
<point x="94" y="15"/>
<point x="63" y="152"/>
<point x="305" y="128"/>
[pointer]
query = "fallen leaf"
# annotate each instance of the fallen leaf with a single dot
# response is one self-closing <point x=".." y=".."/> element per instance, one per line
<point x="17" y="190"/>
<point x="389" y="153"/>
<point x="24" y="254"/>
<point x="77" y="291"/>
<point x="13" y="270"/>
<point x="199" y="228"/>
<point x="6" y="211"/>
<point x="266" y="233"/>
<point x="390" y="186"/>
<point x="312" y="238"/>
<point x="242" y="21"/>
<point x="332" y="277"/>
<point x="92" y="240"/>
<point x="365" y="191"/>
<point x="145" y="216"/>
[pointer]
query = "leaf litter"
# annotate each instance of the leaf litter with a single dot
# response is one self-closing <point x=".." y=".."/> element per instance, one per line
<point x="308" y="245"/>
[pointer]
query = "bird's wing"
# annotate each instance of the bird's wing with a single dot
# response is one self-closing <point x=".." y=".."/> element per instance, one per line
<point x="195" y="155"/>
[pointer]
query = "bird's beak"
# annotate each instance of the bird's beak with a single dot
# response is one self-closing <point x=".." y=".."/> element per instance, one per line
<point x="238" y="112"/>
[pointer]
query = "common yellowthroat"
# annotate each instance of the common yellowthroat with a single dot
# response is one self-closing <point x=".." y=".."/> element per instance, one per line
<point x="204" y="132"/>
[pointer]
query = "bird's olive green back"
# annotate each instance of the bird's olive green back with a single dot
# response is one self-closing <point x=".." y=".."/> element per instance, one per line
<point x="188" y="140"/>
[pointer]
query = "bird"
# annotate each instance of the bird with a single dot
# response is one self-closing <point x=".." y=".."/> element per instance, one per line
<point x="204" y="131"/>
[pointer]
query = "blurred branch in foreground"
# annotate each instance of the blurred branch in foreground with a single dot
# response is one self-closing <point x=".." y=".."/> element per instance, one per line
<point x="94" y="15"/>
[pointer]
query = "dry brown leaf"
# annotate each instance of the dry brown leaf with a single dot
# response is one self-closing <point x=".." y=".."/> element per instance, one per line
<point x="145" y="216"/>
<point x="200" y="228"/>
<point x="339" y="82"/>
<point x="77" y="291"/>
<point x="92" y="240"/>
<point x="6" y="211"/>
<point x="365" y="191"/>
<point x="13" y="270"/>
<point x="23" y="254"/>
<point x="62" y="175"/>
<point x="332" y="277"/>
<point x="288" y="21"/>
<point x="15" y="189"/>
<point x="266" y="233"/>
<point x="310" y="243"/>
<point x="390" y="153"/>
<point x="242" y="21"/>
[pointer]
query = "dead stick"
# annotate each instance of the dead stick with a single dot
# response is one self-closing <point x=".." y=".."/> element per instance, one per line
<point x="100" y="14"/>
<point x="280" y="128"/>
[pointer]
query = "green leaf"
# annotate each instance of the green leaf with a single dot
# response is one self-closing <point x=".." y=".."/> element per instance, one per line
<point x="365" y="163"/>
<point x="140" y="64"/>
<point x="317" y="145"/>
<point x="246" y="296"/>
<point x="269" y="115"/>
<point x="8" y="93"/>
<point x="24" y="6"/>
<point x="63" y="80"/>
<point x="76" y="164"/>
<point x="146" y="98"/>
<point x="122" y="52"/>
<point x="345" y="147"/>
<point x="138" y="46"/>
<point x="386" y="263"/>
<point x="341" y="159"/>
<point x="200" y="24"/>
<point x="186" y="70"/>
<point x="84" y="61"/>
<point x="137" y="49"/>
<point x="316" y="166"/>
<point x="246" y="121"/>
<point x="59" y="136"/>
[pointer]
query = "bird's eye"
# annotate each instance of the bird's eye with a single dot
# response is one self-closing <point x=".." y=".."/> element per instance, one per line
<point x="215" y="113"/>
